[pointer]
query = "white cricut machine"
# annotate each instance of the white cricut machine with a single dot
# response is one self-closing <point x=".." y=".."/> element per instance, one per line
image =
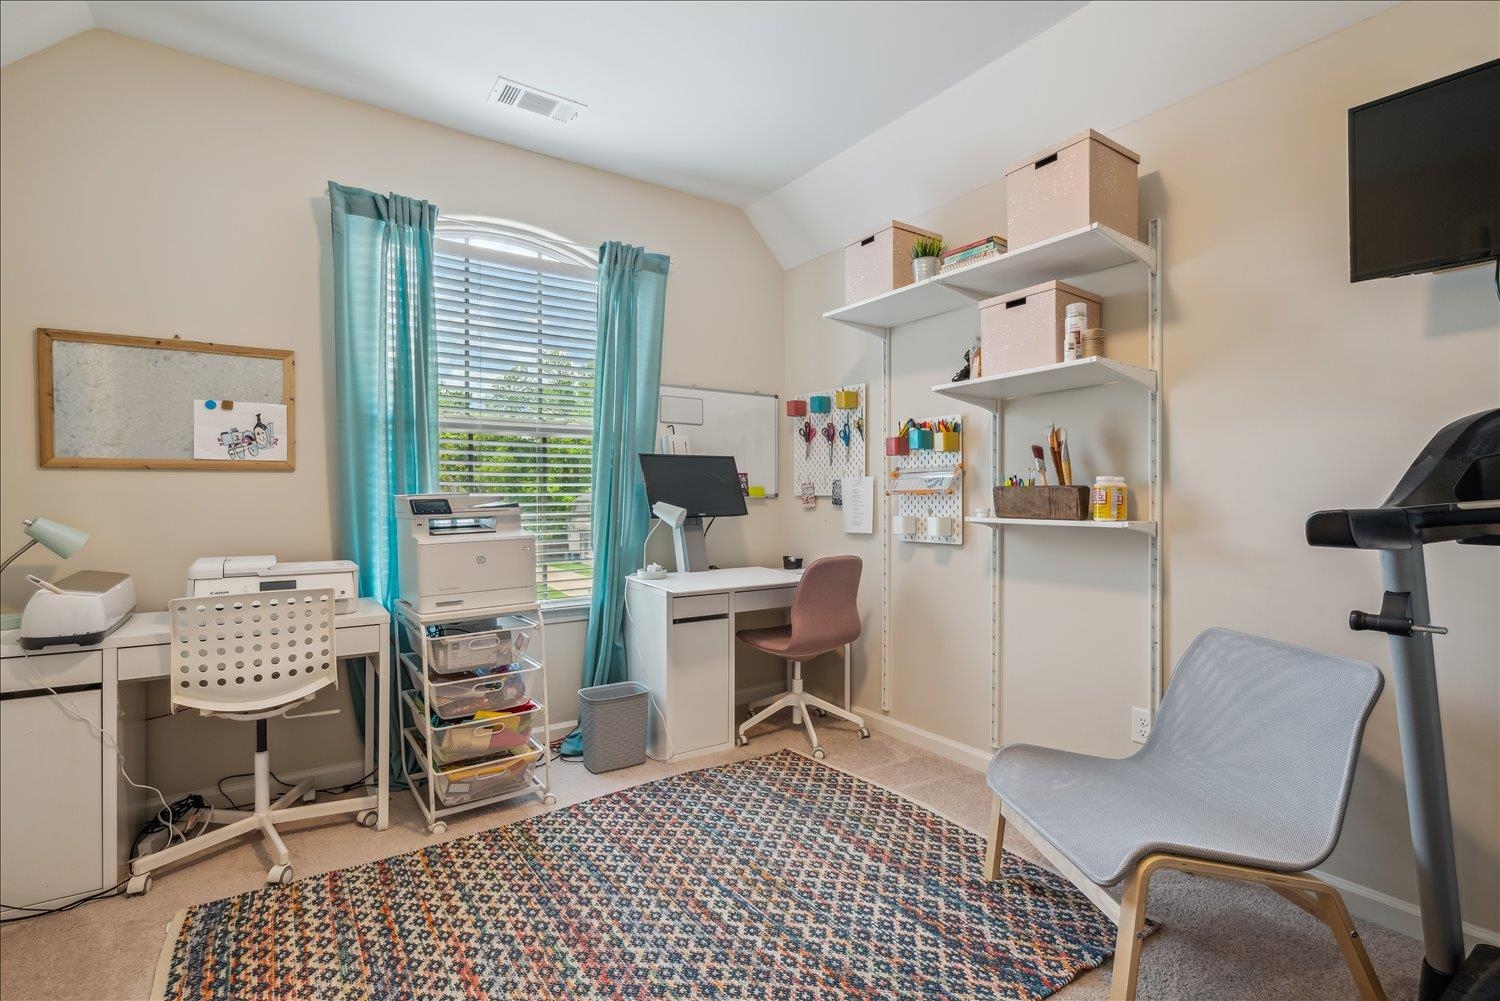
<point x="461" y="551"/>
<point x="219" y="576"/>
<point x="82" y="608"/>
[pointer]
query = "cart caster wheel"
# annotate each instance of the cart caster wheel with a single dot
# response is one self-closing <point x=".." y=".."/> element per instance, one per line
<point x="864" y="734"/>
<point x="367" y="818"/>
<point x="742" y="741"/>
<point x="279" y="874"/>
<point x="820" y="712"/>
<point x="437" y="828"/>
<point x="138" y="885"/>
<point x="819" y="753"/>
<point x="549" y="800"/>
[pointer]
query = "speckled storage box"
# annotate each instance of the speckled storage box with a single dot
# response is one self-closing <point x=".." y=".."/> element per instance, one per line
<point x="1025" y="329"/>
<point x="879" y="261"/>
<point x="1084" y="179"/>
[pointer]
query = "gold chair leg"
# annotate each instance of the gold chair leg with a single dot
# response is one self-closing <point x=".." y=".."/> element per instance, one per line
<point x="1336" y="917"/>
<point x="994" y="851"/>
<point x="1127" y="965"/>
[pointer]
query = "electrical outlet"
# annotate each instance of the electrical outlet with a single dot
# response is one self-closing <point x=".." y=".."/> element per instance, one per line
<point x="1140" y="725"/>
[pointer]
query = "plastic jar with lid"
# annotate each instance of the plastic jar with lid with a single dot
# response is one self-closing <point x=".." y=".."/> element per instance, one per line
<point x="1108" y="499"/>
<point x="1075" y="322"/>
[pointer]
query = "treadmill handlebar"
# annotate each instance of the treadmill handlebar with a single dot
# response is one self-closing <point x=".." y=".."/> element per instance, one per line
<point x="1402" y="527"/>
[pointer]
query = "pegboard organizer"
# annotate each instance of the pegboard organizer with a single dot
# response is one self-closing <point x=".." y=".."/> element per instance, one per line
<point x="927" y="483"/>
<point x="819" y="461"/>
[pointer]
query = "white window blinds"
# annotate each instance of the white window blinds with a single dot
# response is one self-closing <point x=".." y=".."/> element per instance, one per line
<point x="515" y="358"/>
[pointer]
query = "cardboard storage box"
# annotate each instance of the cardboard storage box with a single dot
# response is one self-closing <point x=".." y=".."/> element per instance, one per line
<point x="1025" y="329"/>
<point x="1082" y="180"/>
<point x="879" y="261"/>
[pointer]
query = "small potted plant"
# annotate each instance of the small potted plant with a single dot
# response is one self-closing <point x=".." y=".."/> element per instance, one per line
<point x="926" y="257"/>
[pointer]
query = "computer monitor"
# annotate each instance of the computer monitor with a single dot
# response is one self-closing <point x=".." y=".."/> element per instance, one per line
<point x="705" y="486"/>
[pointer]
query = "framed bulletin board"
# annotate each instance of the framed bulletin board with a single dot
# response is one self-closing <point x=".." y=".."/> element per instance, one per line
<point x="108" y="401"/>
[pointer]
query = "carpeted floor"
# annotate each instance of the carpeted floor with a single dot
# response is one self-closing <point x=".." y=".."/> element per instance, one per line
<point x="1219" y="942"/>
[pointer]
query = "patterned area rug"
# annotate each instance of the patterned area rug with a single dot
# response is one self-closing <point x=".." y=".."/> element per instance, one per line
<point x="775" y="877"/>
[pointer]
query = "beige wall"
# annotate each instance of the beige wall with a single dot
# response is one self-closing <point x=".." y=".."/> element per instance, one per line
<point x="1287" y="390"/>
<point x="144" y="191"/>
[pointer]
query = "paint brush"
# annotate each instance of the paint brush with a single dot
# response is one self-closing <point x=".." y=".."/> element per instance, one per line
<point x="1067" y="463"/>
<point x="1040" y="463"/>
<point x="1056" y="451"/>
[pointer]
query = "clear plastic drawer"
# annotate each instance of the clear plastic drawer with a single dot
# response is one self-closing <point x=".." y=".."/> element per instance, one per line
<point x="489" y="733"/>
<point x="471" y="693"/>
<point x="473" y="644"/>
<point x="482" y="779"/>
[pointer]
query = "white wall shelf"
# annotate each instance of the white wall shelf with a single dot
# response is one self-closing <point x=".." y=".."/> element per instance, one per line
<point x="1084" y="251"/>
<point x="1045" y="379"/>
<point x="1147" y="527"/>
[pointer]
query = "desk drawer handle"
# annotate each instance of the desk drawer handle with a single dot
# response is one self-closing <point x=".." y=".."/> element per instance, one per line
<point x="701" y="618"/>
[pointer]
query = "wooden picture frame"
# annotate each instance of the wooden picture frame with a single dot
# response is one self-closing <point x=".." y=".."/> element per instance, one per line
<point x="47" y="410"/>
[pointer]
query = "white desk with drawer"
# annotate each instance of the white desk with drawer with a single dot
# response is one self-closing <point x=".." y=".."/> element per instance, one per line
<point x="67" y="817"/>
<point x="679" y="643"/>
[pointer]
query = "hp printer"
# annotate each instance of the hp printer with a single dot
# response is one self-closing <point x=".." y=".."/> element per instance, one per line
<point x="464" y="551"/>
<point x="220" y="576"/>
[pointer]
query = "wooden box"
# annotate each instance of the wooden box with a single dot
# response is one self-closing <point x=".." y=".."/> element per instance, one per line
<point x="1043" y="503"/>
<point x="880" y="261"/>
<point x="1025" y="329"/>
<point x="1084" y="179"/>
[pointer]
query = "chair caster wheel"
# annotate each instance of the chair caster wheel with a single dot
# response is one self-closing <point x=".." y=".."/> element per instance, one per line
<point x="819" y="753"/>
<point x="367" y="818"/>
<point x="742" y="741"/>
<point x="138" y="885"/>
<point x="437" y="827"/>
<point x="279" y="874"/>
<point x="864" y="734"/>
<point x="549" y="800"/>
<point x="820" y="713"/>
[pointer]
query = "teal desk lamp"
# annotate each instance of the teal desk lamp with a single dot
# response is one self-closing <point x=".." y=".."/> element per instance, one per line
<point x="64" y="540"/>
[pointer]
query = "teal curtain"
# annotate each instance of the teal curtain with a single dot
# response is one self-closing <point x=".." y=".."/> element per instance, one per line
<point x="383" y="331"/>
<point x="632" y="306"/>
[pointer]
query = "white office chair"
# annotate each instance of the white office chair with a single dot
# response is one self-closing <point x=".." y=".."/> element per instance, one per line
<point x="250" y="657"/>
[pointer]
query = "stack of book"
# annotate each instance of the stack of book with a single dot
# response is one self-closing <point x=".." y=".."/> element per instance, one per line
<point x="990" y="246"/>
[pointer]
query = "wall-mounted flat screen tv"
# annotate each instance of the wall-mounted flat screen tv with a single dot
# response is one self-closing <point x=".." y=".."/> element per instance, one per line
<point x="1424" y="177"/>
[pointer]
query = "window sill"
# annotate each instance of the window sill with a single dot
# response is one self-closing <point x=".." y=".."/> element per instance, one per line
<point x="566" y="610"/>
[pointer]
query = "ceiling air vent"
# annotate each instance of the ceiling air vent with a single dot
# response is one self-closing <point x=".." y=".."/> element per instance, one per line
<point x="538" y="102"/>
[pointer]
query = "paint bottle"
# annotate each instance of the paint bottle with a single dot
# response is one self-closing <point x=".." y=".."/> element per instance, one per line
<point x="1108" y="499"/>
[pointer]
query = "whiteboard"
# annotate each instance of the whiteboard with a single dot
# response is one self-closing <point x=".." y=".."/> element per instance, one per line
<point x="724" y="422"/>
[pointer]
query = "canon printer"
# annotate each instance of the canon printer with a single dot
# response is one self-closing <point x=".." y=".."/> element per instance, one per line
<point x="464" y="551"/>
<point x="221" y="576"/>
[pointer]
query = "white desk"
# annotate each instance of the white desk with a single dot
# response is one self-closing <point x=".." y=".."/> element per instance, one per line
<point x="679" y="643"/>
<point x="69" y="817"/>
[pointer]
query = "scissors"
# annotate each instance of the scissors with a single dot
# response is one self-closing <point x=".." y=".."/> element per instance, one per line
<point x="828" y="437"/>
<point x="806" y="433"/>
<point x="844" y="436"/>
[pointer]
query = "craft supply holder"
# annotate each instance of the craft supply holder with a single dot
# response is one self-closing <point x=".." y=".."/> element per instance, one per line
<point x="926" y="483"/>
<point x="439" y="759"/>
<point x="815" y="461"/>
<point x="1043" y="503"/>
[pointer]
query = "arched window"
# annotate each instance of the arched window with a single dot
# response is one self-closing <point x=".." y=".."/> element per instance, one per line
<point x="515" y="359"/>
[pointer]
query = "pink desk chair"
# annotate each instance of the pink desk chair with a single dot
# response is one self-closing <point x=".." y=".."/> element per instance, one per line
<point x="825" y="616"/>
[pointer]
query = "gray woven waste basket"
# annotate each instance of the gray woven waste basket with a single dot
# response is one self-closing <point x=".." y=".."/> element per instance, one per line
<point x="613" y="719"/>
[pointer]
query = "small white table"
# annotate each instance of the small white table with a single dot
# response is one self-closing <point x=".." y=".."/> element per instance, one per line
<point x="679" y="643"/>
<point x="69" y="817"/>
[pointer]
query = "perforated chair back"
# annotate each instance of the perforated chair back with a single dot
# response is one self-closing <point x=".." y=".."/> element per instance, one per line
<point x="252" y="653"/>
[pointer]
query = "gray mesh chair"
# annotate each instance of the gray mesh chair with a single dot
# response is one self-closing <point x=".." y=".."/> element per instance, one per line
<point x="1245" y="776"/>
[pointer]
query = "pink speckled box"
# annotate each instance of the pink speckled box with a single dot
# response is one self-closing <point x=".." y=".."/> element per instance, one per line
<point x="1084" y="179"/>
<point x="1025" y="329"/>
<point x="879" y="261"/>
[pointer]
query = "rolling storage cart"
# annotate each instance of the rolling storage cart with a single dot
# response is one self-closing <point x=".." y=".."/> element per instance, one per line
<point x="475" y="718"/>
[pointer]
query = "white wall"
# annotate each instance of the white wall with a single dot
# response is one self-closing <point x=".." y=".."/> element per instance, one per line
<point x="1288" y="390"/>
<point x="144" y="191"/>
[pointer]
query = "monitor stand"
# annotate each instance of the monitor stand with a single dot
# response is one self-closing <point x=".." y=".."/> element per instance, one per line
<point x="691" y="549"/>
